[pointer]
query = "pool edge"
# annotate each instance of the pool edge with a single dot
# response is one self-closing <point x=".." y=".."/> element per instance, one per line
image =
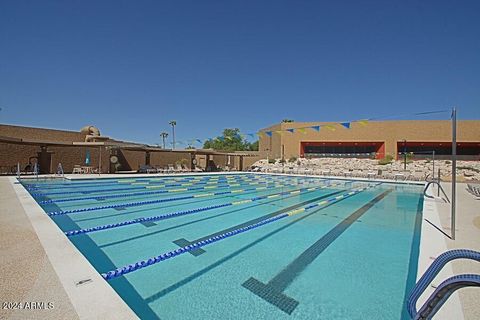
<point x="92" y="299"/>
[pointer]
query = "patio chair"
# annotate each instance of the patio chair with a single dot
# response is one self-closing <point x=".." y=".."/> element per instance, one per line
<point x="77" y="169"/>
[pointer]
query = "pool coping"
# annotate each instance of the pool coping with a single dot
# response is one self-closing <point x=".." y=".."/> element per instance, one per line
<point x="92" y="299"/>
<point x="85" y="301"/>
<point x="432" y="244"/>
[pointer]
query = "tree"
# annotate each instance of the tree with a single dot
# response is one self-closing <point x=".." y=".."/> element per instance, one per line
<point x="231" y="140"/>
<point x="287" y="120"/>
<point x="254" y="146"/>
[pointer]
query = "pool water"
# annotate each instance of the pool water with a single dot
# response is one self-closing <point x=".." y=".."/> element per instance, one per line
<point x="266" y="246"/>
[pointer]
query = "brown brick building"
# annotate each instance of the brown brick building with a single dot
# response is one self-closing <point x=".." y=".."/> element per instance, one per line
<point x="49" y="147"/>
<point x="370" y="139"/>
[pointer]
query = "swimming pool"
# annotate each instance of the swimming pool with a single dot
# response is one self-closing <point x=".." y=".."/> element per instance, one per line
<point x="245" y="245"/>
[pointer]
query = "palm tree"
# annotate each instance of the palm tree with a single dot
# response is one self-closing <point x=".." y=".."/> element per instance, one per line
<point x="164" y="136"/>
<point x="173" y="123"/>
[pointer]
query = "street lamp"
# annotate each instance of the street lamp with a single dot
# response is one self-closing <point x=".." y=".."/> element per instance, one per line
<point x="164" y="135"/>
<point x="173" y="123"/>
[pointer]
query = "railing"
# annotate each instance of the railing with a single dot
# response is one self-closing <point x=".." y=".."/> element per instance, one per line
<point x="60" y="172"/>
<point x="439" y="187"/>
<point x="446" y="288"/>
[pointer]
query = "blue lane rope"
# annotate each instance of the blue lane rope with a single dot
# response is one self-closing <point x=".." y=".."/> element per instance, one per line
<point x="133" y="179"/>
<point x="144" y="263"/>
<point x="119" y="189"/>
<point x="170" y="254"/>
<point x="120" y="182"/>
<point x="186" y="212"/>
<point x="140" y="203"/>
<point x="120" y="185"/>
<point x="126" y="195"/>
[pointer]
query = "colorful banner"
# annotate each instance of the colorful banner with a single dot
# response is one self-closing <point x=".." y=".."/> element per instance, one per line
<point x="345" y="124"/>
<point x="317" y="128"/>
<point x="329" y="127"/>
<point x="291" y="130"/>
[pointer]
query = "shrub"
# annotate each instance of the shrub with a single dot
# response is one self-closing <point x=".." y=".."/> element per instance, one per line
<point x="272" y="161"/>
<point x="387" y="160"/>
<point x="292" y="159"/>
<point x="448" y="162"/>
<point x="281" y="161"/>
<point x="181" y="162"/>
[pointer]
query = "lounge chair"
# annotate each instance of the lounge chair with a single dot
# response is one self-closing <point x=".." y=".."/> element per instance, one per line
<point x="474" y="190"/>
<point x="77" y="169"/>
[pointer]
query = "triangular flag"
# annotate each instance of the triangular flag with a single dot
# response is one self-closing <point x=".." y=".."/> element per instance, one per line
<point x="291" y="130"/>
<point x="198" y="140"/>
<point x="280" y="132"/>
<point x="268" y="133"/>
<point x="363" y="122"/>
<point x="302" y="130"/>
<point x="331" y="128"/>
<point x="345" y="124"/>
<point x="315" y="128"/>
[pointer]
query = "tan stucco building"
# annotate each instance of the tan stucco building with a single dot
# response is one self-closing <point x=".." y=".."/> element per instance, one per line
<point x="370" y="139"/>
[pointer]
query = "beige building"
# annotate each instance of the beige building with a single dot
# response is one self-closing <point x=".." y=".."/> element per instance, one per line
<point x="374" y="139"/>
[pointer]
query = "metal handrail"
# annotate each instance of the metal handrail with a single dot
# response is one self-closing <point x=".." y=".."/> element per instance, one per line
<point x="444" y="291"/>
<point x="436" y="300"/>
<point x="439" y="186"/>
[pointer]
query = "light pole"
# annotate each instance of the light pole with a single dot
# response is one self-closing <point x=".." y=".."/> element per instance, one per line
<point x="173" y="123"/>
<point x="454" y="171"/>
<point x="164" y="136"/>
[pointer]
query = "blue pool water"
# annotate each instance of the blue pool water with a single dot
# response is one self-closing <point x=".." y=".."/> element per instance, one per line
<point x="253" y="246"/>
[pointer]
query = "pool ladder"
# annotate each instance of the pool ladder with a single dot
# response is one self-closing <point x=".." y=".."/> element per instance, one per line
<point x="439" y="188"/>
<point x="446" y="288"/>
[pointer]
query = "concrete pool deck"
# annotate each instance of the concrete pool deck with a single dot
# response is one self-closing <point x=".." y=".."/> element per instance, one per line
<point x="39" y="264"/>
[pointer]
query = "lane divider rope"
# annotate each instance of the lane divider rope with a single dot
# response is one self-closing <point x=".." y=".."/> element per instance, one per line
<point x="118" y="189"/>
<point x="170" y="254"/>
<point x="126" y="195"/>
<point x="181" y="213"/>
<point x="137" y="203"/>
<point x="127" y="181"/>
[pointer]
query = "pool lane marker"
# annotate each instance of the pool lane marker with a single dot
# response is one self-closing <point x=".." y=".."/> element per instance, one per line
<point x="105" y="182"/>
<point x="170" y="254"/>
<point x="182" y="242"/>
<point x="272" y="292"/>
<point x="126" y="195"/>
<point x="174" y="214"/>
<point x="75" y="185"/>
<point x="133" y="188"/>
<point x="261" y="179"/>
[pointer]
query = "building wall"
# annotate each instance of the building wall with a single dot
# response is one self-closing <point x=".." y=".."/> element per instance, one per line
<point x="163" y="159"/>
<point x="69" y="156"/>
<point x="389" y="132"/>
<point x="40" y="133"/>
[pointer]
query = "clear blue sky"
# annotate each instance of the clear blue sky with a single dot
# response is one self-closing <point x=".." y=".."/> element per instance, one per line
<point x="129" y="67"/>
